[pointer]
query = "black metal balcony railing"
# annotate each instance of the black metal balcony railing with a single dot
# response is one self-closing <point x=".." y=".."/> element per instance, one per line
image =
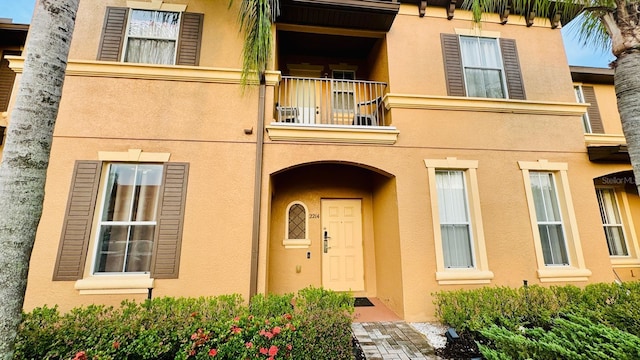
<point x="314" y="101"/>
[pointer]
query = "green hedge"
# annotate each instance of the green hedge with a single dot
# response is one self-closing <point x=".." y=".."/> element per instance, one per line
<point x="223" y="327"/>
<point x="601" y="321"/>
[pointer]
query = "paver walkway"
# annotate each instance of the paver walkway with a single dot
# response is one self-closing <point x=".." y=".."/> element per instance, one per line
<point x="390" y="340"/>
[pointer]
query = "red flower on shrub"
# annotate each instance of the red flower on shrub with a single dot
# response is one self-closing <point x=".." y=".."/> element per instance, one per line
<point x="267" y="334"/>
<point x="80" y="355"/>
<point x="116" y="345"/>
<point x="273" y="350"/>
<point x="249" y="345"/>
<point x="236" y="330"/>
<point x="236" y="319"/>
<point x="213" y="352"/>
<point x="276" y="330"/>
<point x="264" y="351"/>
<point x="289" y="347"/>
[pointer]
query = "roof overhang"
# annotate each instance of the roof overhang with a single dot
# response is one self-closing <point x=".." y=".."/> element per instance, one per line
<point x="375" y="15"/>
<point x="592" y="75"/>
<point x="609" y="153"/>
<point x="12" y="35"/>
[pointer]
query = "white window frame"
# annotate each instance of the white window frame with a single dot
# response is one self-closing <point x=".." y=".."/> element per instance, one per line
<point x="345" y="92"/>
<point x="480" y="273"/>
<point x="125" y="45"/>
<point x="606" y="223"/>
<point x="576" y="270"/>
<point x="503" y="74"/>
<point x="586" y="122"/>
<point x="102" y="223"/>
<point x="296" y="243"/>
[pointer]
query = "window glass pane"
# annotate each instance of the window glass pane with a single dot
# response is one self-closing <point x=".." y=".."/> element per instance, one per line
<point x="612" y="222"/>
<point x="454" y="219"/>
<point x="150" y="51"/>
<point x="490" y="54"/>
<point x="545" y="197"/>
<point x="553" y="245"/>
<point x="156" y="24"/>
<point x="586" y="124"/>
<point x="456" y="245"/>
<point x="297" y="222"/>
<point x="125" y="241"/>
<point x="484" y="83"/>
<point x="470" y="50"/>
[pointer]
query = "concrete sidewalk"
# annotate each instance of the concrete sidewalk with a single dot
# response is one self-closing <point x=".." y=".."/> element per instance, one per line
<point x="387" y="340"/>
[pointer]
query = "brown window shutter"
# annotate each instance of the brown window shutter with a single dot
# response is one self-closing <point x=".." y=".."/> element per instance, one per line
<point x="76" y="230"/>
<point x="7" y="77"/>
<point x="593" y="111"/>
<point x="115" y="23"/>
<point x="453" y="65"/>
<point x="511" y="64"/>
<point x="168" y="236"/>
<point x="190" y="38"/>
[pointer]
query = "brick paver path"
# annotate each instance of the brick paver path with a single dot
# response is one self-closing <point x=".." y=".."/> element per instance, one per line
<point x="392" y="340"/>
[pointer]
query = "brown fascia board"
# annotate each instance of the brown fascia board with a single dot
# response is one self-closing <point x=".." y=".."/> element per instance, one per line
<point x="13" y="34"/>
<point x="592" y="75"/>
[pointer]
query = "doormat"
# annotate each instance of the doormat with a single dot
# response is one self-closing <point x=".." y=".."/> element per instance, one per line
<point x="363" y="301"/>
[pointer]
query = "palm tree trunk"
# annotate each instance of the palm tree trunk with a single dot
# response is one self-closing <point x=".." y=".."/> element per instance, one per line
<point x="26" y="155"/>
<point x="627" y="85"/>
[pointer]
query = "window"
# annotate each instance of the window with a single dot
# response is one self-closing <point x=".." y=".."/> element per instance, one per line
<point x="585" y="117"/>
<point x="128" y="220"/>
<point x="482" y="63"/>
<point x="554" y="228"/>
<point x="482" y="66"/>
<point x="455" y="227"/>
<point x="461" y="255"/>
<point x="612" y="222"/>
<point x="296" y="232"/>
<point x="343" y="90"/>
<point x="549" y="218"/>
<point x="124" y="217"/>
<point x="152" y="37"/>
<point x="591" y="120"/>
<point x="166" y="36"/>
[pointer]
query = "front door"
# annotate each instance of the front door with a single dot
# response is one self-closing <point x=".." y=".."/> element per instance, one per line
<point x="342" y="259"/>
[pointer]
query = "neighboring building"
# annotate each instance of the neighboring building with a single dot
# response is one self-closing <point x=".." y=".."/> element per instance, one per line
<point x="399" y="151"/>
<point x="12" y="40"/>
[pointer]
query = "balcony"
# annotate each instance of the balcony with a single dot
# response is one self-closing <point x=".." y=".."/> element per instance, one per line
<point x="331" y="110"/>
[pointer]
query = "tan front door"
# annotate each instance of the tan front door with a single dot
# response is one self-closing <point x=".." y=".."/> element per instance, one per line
<point x="342" y="261"/>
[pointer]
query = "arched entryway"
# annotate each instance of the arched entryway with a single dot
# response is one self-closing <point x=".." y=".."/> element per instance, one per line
<point x="335" y="225"/>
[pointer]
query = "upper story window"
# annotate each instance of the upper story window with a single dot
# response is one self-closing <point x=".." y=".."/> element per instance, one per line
<point x="163" y="37"/>
<point x="482" y="66"/>
<point x="585" y="117"/>
<point x="483" y="69"/>
<point x="152" y="37"/>
<point x="591" y="120"/>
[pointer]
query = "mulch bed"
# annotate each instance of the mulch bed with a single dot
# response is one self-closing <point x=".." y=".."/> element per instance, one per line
<point x="464" y="348"/>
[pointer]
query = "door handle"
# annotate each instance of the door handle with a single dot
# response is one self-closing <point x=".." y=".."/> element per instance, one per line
<point x="326" y="242"/>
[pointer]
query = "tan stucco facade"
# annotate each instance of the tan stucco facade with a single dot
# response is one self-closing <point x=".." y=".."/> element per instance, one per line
<point x="200" y="115"/>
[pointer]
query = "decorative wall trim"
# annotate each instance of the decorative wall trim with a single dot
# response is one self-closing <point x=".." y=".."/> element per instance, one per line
<point x="381" y="135"/>
<point x="111" y="69"/>
<point x="126" y="284"/>
<point x="604" y="139"/>
<point x="471" y="104"/>
<point x="133" y="155"/>
<point x="156" y="5"/>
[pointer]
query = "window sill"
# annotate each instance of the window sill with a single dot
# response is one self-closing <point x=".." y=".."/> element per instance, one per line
<point x="563" y="274"/>
<point x="114" y="284"/>
<point x="464" y="277"/>
<point x="382" y="135"/>
<point x="296" y="243"/>
<point x="625" y="262"/>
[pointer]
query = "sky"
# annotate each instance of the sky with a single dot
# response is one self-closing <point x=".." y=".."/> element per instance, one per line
<point x="21" y="10"/>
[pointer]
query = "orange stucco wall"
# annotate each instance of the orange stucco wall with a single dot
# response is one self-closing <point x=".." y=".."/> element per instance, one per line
<point x="213" y="125"/>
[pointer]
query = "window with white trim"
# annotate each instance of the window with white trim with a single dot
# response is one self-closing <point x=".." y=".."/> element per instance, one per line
<point x="152" y="37"/>
<point x="586" y="124"/>
<point x="128" y="218"/>
<point x="549" y="218"/>
<point x="483" y="67"/>
<point x="455" y="226"/>
<point x="554" y="228"/>
<point x="296" y="226"/>
<point x="344" y="90"/>
<point x="612" y="222"/>
<point x="458" y="235"/>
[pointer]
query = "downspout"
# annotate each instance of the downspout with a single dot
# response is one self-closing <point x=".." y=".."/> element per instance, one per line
<point x="257" y="189"/>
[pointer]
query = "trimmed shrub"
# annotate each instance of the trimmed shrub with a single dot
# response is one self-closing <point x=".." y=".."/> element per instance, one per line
<point x="223" y="327"/>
